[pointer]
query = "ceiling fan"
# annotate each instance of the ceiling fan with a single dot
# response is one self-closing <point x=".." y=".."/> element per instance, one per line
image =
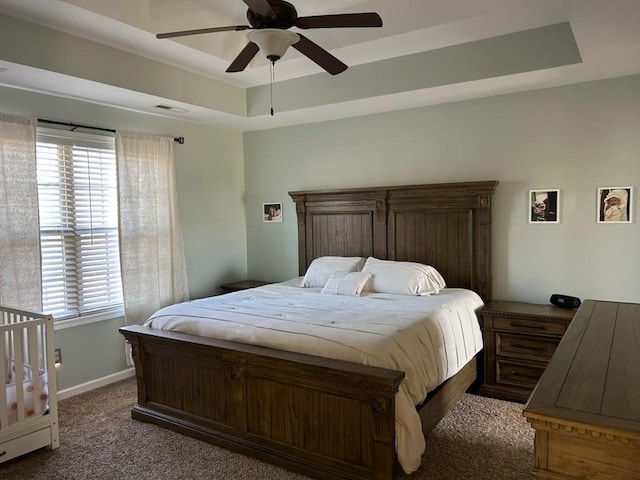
<point x="269" y="21"/>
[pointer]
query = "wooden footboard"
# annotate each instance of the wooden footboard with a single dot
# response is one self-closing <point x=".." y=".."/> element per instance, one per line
<point x="325" y="418"/>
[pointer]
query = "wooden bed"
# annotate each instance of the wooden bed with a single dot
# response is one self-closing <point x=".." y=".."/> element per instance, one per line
<point x="326" y="418"/>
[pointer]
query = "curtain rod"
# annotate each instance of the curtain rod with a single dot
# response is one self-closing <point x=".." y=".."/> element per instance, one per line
<point x="179" y="140"/>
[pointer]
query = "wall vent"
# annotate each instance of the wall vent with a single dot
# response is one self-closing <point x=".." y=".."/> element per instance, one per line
<point x="169" y="108"/>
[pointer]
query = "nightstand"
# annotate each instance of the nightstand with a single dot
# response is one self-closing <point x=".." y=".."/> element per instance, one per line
<point x="242" y="285"/>
<point x="519" y="339"/>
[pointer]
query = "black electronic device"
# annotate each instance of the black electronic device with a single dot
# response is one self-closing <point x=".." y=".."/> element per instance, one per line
<point x="564" y="301"/>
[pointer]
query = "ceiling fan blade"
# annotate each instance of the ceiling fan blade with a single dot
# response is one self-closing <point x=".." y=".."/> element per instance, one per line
<point x="319" y="55"/>
<point x="261" y="8"/>
<point x="244" y="57"/>
<point x="199" y="31"/>
<point x="346" y="20"/>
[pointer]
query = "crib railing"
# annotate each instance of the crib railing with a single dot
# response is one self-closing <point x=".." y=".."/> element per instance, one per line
<point x="28" y="405"/>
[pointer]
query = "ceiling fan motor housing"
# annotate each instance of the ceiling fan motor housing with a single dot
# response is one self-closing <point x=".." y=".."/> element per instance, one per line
<point x="286" y="16"/>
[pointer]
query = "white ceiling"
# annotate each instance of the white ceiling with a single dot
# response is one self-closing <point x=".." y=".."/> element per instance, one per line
<point x="606" y="32"/>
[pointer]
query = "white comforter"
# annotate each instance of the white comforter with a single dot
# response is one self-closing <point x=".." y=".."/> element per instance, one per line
<point x="429" y="338"/>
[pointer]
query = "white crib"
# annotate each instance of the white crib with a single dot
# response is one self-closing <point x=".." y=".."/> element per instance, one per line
<point x="28" y="407"/>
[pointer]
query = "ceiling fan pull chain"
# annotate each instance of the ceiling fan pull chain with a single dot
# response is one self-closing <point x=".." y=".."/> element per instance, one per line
<point x="271" y="75"/>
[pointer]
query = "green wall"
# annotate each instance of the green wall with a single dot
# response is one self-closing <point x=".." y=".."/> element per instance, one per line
<point x="574" y="138"/>
<point x="528" y="50"/>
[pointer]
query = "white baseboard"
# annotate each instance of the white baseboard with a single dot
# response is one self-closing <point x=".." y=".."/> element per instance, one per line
<point x="97" y="383"/>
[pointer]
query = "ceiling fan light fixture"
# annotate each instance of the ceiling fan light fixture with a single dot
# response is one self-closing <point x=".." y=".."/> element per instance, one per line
<point x="273" y="42"/>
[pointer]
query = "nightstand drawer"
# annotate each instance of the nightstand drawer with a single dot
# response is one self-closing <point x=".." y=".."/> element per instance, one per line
<point x="535" y="326"/>
<point x="519" y="340"/>
<point x="518" y="374"/>
<point x="523" y="346"/>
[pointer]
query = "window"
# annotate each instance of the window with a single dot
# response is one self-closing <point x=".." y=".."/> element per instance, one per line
<point x="78" y="202"/>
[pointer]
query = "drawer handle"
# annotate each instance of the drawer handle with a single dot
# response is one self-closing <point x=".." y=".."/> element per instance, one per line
<point x="3" y="453"/>
<point x="527" y="347"/>
<point x="520" y="325"/>
<point x="516" y="374"/>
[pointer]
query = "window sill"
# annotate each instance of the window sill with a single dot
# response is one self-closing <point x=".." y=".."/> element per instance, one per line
<point x="87" y="319"/>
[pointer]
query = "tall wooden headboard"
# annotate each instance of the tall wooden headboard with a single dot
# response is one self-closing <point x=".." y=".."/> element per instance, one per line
<point x="444" y="225"/>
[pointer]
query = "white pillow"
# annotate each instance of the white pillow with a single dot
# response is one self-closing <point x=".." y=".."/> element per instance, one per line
<point x="322" y="267"/>
<point x="352" y="284"/>
<point x="403" y="278"/>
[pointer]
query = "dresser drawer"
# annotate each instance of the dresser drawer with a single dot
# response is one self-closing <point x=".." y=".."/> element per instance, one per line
<point x="525" y="346"/>
<point x="519" y="341"/>
<point x="535" y="326"/>
<point x="518" y="374"/>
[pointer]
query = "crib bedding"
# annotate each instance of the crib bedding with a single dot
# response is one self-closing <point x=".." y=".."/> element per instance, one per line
<point x="35" y="393"/>
<point x="430" y="338"/>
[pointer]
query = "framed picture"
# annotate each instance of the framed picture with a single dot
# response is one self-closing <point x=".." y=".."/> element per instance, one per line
<point x="272" y="212"/>
<point x="614" y="204"/>
<point x="544" y="206"/>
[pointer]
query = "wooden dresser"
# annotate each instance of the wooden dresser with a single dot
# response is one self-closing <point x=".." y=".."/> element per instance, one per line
<point x="586" y="407"/>
<point x="519" y="339"/>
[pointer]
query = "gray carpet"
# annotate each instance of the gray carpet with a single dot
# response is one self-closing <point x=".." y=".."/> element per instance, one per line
<point x="480" y="438"/>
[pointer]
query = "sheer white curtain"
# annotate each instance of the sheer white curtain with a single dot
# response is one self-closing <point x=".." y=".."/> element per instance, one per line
<point x="20" y="274"/>
<point x="152" y="259"/>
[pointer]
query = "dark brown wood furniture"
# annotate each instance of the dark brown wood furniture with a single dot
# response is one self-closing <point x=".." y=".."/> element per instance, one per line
<point x="326" y="418"/>
<point x="586" y="407"/>
<point x="241" y="285"/>
<point x="519" y="339"/>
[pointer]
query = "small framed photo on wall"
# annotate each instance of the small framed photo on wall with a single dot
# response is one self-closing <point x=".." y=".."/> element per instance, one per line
<point x="614" y="204"/>
<point x="272" y="212"/>
<point x="544" y="206"/>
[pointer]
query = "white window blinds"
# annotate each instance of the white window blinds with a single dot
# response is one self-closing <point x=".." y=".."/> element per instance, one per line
<point x="78" y="202"/>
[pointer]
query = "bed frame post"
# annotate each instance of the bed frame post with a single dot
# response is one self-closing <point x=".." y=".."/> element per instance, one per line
<point x="483" y="279"/>
<point x="302" y="232"/>
<point x="138" y="363"/>
<point x="380" y="238"/>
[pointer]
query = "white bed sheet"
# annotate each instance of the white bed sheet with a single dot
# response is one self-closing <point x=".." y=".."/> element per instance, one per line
<point x="430" y="338"/>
